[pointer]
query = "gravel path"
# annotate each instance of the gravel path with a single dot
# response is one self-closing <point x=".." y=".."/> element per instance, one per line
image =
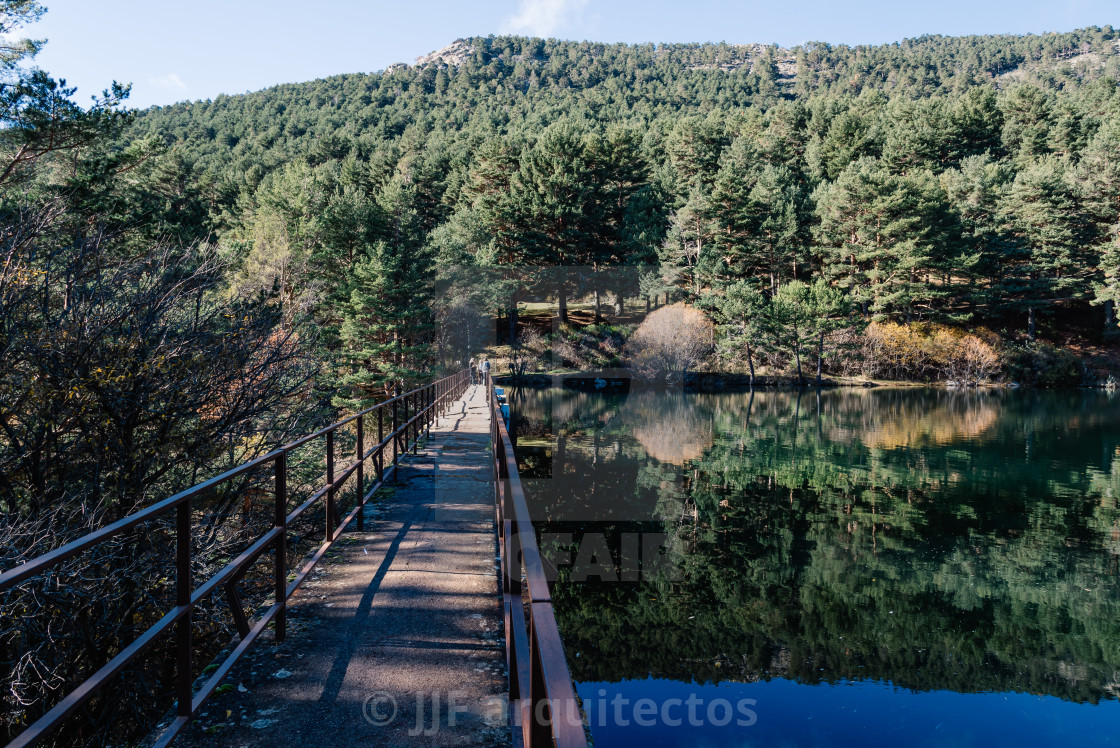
<point x="397" y="641"/>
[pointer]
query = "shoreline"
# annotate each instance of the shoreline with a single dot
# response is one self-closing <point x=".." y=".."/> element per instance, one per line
<point x="618" y="380"/>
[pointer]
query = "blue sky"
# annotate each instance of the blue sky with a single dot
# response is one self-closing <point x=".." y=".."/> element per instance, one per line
<point x="172" y="50"/>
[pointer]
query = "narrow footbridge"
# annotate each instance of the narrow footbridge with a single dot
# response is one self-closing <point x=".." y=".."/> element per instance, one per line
<point x="423" y="617"/>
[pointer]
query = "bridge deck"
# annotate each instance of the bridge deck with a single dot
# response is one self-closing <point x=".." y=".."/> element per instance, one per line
<point x="405" y="614"/>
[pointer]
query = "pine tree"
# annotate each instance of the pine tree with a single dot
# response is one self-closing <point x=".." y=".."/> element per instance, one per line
<point x="1107" y="291"/>
<point x="387" y="324"/>
<point x="976" y="191"/>
<point x="1026" y="113"/>
<point x="688" y="252"/>
<point x="352" y="223"/>
<point x="885" y="238"/>
<point x="759" y="212"/>
<point x="1048" y="261"/>
<point x="741" y="315"/>
<point x="557" y="214"/>
<point x="976" y="125"/>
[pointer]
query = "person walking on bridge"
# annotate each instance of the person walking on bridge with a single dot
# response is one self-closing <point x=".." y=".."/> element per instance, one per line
<point x="483" y="370"/>
<point x="474" y="370"/>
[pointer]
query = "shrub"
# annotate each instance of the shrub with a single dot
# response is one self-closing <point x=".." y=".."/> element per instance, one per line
<point x="931" y="352"/>
<point x="1043" y="365"/>
<point x="535" y="350"/>
<point x="668" y="342"/>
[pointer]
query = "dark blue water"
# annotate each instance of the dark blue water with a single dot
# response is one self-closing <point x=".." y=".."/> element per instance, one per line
<point x="849" y="713"/>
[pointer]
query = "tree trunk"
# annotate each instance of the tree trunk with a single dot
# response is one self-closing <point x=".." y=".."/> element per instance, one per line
<point x="598" y="308"/>
<point x="750" y="364"/>
<point x="1109" y="316"/>
<point x="563" y="305"/>
<point x="513" y="322"/>
<point x="820" y="357"/>
<point x="800" y="376"/>
<point x="647" y="304"/>
<point x="619" y="303"/>
<point x="1032" y="325"/>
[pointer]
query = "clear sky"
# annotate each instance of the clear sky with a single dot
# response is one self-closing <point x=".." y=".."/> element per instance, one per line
<point x="171" y="50"/>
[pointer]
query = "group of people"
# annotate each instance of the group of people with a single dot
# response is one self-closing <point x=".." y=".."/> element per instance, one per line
<point x="479" y="370"/>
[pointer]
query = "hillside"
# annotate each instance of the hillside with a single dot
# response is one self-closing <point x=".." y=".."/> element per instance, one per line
<point x="959" y="181"/>
<point x="495" y="83"/>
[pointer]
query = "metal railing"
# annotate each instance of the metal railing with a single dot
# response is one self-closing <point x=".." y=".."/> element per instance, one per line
<point x="409" y="417"/>
<point x="542" y="699"/>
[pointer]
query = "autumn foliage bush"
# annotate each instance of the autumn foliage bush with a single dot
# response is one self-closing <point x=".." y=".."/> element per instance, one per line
<point x="931" y="352"/>
<point x="668" y="342"/>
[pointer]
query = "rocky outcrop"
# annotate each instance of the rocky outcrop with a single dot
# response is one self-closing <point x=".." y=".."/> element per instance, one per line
<point x="453" y="55"/>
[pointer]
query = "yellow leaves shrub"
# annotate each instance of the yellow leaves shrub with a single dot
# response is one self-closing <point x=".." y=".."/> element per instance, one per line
<point x="928" y="351"/>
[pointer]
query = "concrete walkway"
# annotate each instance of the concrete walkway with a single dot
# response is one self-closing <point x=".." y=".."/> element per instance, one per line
<point x="398" y="641"/>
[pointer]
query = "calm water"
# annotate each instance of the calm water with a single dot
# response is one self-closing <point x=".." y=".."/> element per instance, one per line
<point x="855" y="567"/>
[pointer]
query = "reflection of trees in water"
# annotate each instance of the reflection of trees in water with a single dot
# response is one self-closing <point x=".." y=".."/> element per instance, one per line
<point x="671" y="427"/>
<point x="934" y="419"/>
<point x="888" y="418"/>
<point x="881" y="419"/>
<point x="967" y="541"/>
<point x="779" y="583"/>
<point x="566" y="411"/>
<point x="612" y="456"/>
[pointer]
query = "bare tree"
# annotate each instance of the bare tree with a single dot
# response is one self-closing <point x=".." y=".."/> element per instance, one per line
<point x="123" y="379"/>
<point x="668" y="342"/>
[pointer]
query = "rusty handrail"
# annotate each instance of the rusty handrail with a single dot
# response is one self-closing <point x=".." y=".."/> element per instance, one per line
<point x="542" y="699"/>
<point x="421" y="407"/>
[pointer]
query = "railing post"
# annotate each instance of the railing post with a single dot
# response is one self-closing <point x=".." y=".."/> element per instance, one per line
<point x="396" y="437"/>
<point x="280" y="563"/>
<point x="330" y="485"/>
<point x="416" y="423"/>
<point x="183" y="600"/>
<point x="379" y="462"/>
<point x="361" y="487"/>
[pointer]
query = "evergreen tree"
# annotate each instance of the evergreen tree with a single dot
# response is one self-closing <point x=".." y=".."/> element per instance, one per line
<point x="884" y="238"/>
<point x="741" y="314"/>
<point x="387" y="324"/>
<point x="759" y="210"/>
<point x="976" y="192"/>
<point x="1026" y="113"/>
<point x="1048" y="261"/>
<point x="1107" y="291"/>
<point x="688" y="253"/>
<point x="554" y="198"/>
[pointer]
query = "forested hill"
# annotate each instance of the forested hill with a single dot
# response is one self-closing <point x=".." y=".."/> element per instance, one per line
<point x="966" y="182"/>
<point x="503" y="82"/>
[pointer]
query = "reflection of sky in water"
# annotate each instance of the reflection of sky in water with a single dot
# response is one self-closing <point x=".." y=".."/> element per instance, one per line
<point x="865" y="714"/>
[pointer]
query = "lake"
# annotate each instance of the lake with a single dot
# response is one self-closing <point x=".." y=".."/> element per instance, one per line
<point x="851" y="567"/>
